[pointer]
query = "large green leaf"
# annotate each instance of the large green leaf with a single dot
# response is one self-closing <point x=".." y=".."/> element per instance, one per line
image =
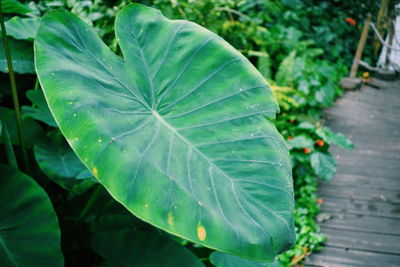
<point x="29" y="232"/>
<point x="176" y="131"/>
<point x="21" y="55"/>
<point x="220" y="259"/>
<point x="134" y="248"/>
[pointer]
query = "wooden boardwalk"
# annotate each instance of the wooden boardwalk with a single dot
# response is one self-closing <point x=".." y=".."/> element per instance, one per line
<point x="363" y="199"/>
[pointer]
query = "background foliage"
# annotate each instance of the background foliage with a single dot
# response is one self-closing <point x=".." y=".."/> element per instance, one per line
<point x="302" y="47"/>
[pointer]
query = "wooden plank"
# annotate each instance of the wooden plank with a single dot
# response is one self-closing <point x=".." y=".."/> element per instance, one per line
<point x="348" y="169"/>
<point x="360" y="193"/>
<point x="371" y="242"/>
<point x="383" y="165"/>
<point x="361" y="207"/>
<point x="340" y="257"/>
<point x="363" y="199"/>
<point x="377" y="182"/>
<point x="369" y="155"/>
<point x="363" y="223"/>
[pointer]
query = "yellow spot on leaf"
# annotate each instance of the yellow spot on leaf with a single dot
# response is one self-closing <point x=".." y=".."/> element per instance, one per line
<point x="95" y="171"/>
<point x="146" y="205"/>
<point x="201" y="232"/>
<point x="99" y="140"/>
<point x="170" y="218"/>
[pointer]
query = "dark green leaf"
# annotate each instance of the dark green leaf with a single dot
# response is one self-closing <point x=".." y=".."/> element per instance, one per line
<point x="21" y="54"/>
<point x="29" y="231"/>
<point x="32" y="130"/>
<point x="176" y="131"/>
<point x="41" y="112"/>
<point x="57" y="160"/>
<point x="9" y="150"/>
<point x="220" y="259"/>
<point x="131" y="248"/>
<point x="13" y="6"/>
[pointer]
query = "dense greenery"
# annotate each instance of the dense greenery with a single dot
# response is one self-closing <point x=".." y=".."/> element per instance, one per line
<point x="302" y="47"/>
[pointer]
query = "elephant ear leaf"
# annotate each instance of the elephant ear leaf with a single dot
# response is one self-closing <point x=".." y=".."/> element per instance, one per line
<point x="177" y="130"/>
<point x="220" y="259"/>
<point x="29" y="231"/>
<point x="135" y="248"/>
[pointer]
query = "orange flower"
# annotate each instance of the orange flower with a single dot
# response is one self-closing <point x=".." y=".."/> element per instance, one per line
<point x="320" y="143"/>
<point x="307" y="150"/>
<point x="289" y="138"/>
<point x="351" y="21"/>
<point x="320" y="200"/>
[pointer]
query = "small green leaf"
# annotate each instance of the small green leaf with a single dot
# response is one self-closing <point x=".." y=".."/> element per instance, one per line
<point x="325" y="95"/>
<point x="41" y="112"/>
<point x="264" y="63"/>
<point x="306" y="125"/>
<point x="284" y="75"/>
<point x="334" y="138"/>
<point x="29" y="231"/>
<point x="324" y="165"/>
<point x="22" y="28"/>
<point x="21" y="54"/>
<point x="57" y="160"/>
<point x="341" y="140"/>
<point x="134" y="248"/>
<point x="176" y="130"/>
<point x="220" y="259"/>
<point x="300" y="142"/>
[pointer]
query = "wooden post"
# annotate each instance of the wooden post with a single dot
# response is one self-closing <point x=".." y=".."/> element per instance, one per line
<point x="389" y="51"/>
<point x="381" y="24"/>
<point x="360" y="47"/>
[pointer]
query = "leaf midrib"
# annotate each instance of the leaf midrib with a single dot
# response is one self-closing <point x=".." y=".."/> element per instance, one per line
<point x="233" y="185"/>
<point x="175" y="132"/>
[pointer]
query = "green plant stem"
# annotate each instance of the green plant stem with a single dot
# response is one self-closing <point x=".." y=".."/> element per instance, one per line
<point x="92" y="200"/>
<point x="25" y="161"/>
